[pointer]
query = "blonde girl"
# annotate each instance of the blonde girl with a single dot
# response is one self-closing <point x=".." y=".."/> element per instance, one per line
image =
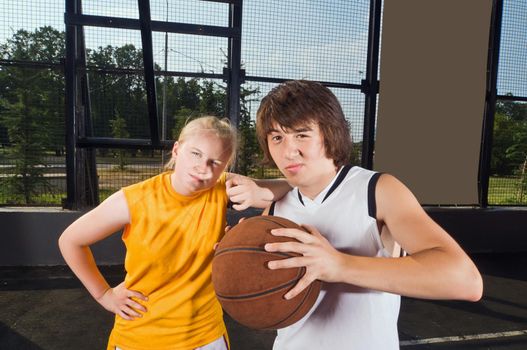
<point x="170" y="224"/>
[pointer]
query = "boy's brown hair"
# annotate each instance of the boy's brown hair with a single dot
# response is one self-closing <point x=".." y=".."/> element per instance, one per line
<point x="299" y="103"/>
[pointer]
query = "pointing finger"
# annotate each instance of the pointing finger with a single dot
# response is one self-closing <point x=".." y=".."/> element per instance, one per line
<point x="240" y="207"/>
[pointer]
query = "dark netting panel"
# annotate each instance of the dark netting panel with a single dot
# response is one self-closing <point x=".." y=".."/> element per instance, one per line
<point x="190" y="11"/>
<point x="188" y="98"/>
<point x="32" y="163"/>
<point x="190" y="53"/>
<point x="118" y="105"/>
<point x="512" y="71"/>
<point x="118" y="100"/>
<point x="111" y="8"/>
<point x="117" y="168"/>
<point x="313" y="40"/>
<point x="113" y="47"/>
<point x="36" y="28"/>
<point x="508" y="181"/>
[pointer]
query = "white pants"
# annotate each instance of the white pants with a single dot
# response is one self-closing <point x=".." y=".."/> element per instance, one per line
<point x="218" y="344"/>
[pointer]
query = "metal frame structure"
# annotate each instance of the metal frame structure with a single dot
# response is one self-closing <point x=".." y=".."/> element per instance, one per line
<point x="79" y="138"/>
<point x="490" y="102"/>
<point x="77" y="106"/>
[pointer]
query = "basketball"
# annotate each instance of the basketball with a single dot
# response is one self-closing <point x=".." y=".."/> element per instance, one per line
<point x="250" y="292"/>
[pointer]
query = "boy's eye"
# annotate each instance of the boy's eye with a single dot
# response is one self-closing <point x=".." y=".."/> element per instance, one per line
<point x="276" y="138"/>
<point x="196" y="154"/>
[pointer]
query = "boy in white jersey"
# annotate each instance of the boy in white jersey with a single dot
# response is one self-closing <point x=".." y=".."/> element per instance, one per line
<point x="355" y="218"/>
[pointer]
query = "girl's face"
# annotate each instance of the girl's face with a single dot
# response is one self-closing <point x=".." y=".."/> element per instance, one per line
<point x="200" y="160"/>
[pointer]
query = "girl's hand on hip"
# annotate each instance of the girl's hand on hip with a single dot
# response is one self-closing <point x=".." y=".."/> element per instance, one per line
<point x="121" y="301"/>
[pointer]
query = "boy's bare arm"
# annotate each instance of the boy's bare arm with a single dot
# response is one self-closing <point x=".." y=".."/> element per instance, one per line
<point x="436" y="267"/>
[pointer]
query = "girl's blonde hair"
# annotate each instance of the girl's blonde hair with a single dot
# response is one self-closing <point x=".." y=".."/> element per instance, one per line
<point x="221" y="127"/>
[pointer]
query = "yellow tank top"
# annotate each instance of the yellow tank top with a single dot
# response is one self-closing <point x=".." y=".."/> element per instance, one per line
<point x="169" y="244"/>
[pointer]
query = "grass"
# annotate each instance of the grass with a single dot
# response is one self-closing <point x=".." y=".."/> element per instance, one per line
<point x="506" y="191"/>
<point x="502" y="190"/>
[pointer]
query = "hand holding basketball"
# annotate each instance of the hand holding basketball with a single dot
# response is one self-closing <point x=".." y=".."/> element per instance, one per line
<point x="321" y="260"/>
<point x="247" y="289"/>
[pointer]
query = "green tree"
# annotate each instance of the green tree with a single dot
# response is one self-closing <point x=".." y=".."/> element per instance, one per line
<point x="118" y="125"/>
<point x="28" y="134"/>
<point x="213" y="99"/>
<point x="510" y="138"/>
<point x="122" y="94"/>
<point x="32" y="115"/>
<point x="181" y="119"/>
<point x="187" y="102"/>
<point x="249" y="155"/>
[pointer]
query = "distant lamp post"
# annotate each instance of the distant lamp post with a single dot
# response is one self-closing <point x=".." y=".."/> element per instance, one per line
<point x="164" y="113"/>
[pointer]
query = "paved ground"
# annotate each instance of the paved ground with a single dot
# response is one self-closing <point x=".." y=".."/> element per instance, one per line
<point x="45" y="308"/>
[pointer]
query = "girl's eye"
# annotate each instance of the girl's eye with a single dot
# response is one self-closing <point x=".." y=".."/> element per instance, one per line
<point x="301" y="136"/>
<point x="276" y="138"/>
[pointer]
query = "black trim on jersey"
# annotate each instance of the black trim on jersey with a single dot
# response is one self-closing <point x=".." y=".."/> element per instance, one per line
<point x="339" y="179"/>
<point x="372" y="205"/>
<point x="336" y="184"/>
<point x="271" y="209"/>
<point x="300" y="198"/>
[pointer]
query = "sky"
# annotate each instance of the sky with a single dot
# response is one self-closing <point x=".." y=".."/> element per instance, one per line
<point x="281" y="39"/>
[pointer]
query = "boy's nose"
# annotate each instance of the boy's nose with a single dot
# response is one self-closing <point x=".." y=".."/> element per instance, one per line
<point x="291" y="150"/>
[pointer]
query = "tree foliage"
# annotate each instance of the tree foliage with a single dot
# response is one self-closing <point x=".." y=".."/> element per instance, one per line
<point x="509" y="149"/>
<point x="32" y="104"/>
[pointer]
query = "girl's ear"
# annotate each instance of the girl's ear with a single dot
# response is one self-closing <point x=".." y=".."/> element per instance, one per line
<point x="175" y="149"/>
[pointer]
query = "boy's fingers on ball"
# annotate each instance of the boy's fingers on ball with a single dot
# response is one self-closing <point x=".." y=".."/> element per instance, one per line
<point x="299" y="287"/>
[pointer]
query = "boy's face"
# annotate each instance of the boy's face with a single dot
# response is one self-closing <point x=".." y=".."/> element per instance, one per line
<point x="300" y="155"/>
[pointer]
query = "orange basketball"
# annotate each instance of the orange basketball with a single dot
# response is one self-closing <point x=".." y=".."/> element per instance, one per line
<point x="247" y="289"/>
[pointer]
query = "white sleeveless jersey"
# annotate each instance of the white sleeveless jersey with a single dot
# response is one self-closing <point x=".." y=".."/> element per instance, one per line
<point x="344" y="316"/>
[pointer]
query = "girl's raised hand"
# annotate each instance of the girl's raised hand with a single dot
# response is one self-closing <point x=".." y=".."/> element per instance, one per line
<point x="120" y="301"/>
<point x="244" y="192"/>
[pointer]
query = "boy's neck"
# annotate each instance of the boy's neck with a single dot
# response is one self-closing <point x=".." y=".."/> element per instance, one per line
<point x="311" y="191"/>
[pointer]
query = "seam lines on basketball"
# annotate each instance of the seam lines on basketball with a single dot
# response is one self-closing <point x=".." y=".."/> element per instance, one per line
<point x="250" y="249"/>
<point x="270" y="218"/>
<point x="295" y="310"/>
<point x="255" y="295"/>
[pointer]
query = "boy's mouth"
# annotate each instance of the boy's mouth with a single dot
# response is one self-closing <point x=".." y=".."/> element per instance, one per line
<point x="293" y="168"/>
